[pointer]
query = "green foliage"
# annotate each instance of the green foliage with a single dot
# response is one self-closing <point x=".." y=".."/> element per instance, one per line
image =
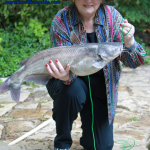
<point x="4" y="103"/>
<point x="42" y="102"/>
<point x="1" y="48"/>
<point x="20" y="14"/>
<point x="146" y="48"/>
<point x="147" y="60"/>
<point x="1" y="81"/>
<point x="20" y="45"/>
<point x="134" y="119"/>
<point x="37" y="29"/>
<point x="34" y="29"/>
<point x="136" y="11"/>
<point x="33" y="85"/>
<point x="24" y="30"/>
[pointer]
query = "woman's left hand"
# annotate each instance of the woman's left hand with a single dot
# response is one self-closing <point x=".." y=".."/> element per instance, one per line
<point x="129" y="38"/>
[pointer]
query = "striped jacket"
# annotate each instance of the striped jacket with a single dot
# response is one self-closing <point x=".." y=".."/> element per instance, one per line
<point x="107" y="22"/>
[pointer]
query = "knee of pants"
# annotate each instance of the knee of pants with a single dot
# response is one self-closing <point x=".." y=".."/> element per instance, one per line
<point x="77" y="91"/>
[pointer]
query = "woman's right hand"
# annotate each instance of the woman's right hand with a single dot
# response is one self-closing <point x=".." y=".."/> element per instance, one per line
<point x="58" y="71"/>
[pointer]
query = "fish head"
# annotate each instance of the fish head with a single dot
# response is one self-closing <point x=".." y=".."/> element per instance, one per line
<point x="109" y="51"/>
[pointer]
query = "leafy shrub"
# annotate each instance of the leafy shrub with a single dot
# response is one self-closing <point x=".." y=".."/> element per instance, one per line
<point x="34" y="29"/>
<point x="1" y="81"/>
<point x="24" y="31"/>
<point x="1" y="48"/>
<point x="147" y="60"/>
<point x="136" y="11"/>
<point x="146" y="48"/>
<point x="19" y="45"/>
<point x="15" y="13"/>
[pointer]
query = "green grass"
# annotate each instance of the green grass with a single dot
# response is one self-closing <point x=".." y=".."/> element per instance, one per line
<point x="31" y="84"/>
<point x="4" y="103"/>
<point x="42" y="102"/>
<point x="10" y="117"/>
<point x="1" y="81"/>
<point x="134" y="119"/>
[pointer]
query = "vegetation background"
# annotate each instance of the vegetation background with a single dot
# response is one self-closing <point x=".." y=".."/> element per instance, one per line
<point x="24" y="29"/>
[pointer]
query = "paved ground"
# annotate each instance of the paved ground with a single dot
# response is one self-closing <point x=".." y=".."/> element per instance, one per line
<point x="132" y="118"/>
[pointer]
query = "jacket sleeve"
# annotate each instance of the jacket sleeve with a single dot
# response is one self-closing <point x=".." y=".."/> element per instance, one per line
<point x="59" y="37"/>
<point x="133" y="56"/>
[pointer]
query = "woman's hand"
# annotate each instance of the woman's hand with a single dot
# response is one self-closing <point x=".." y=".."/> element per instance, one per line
<point x="58" y="71"/>
<point x="129" y="38"/>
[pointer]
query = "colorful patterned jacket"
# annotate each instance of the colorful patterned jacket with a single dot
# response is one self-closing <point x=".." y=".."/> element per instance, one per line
<point x="107" y="22"/>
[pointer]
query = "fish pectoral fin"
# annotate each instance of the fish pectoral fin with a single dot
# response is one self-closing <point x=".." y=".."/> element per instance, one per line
<point x="99" y="65"/>
<point x="38" y="78"/>
<point x="74" y="38"/>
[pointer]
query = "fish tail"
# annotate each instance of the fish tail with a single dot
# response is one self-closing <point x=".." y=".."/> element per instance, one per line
<point x="4" y="87"/>
<point x="15" y="93"/>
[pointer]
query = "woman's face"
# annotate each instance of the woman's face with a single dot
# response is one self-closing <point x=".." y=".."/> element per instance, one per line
<point x="87" y="8"/>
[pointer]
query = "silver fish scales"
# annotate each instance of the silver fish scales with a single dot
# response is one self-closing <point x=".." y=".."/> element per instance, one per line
<point x="84" y="59"/>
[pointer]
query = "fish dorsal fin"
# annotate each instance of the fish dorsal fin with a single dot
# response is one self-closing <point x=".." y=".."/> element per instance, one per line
<point x="23" y="61"/>
<point x="74" y="38"/>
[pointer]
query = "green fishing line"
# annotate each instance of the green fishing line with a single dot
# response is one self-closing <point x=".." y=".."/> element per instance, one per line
<point x="127" y="32"/>
<point x="126" y="144"/>
<point x="92" y="113"/>
<point x="121" y="34"/>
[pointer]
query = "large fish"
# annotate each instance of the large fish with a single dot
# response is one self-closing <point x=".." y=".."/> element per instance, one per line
<point x="84" y="59"/>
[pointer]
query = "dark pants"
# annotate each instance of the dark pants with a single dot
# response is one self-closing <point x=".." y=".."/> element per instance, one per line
<point x="68" y="101"/>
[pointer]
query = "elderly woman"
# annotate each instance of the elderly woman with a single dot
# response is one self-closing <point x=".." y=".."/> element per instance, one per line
<point x="93" y="22"/>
